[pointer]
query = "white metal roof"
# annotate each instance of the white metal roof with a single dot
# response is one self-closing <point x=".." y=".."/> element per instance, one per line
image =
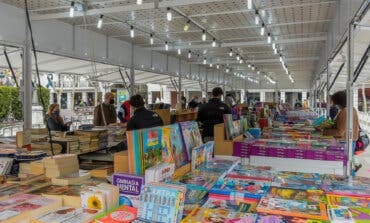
<point x="298" y="27"/>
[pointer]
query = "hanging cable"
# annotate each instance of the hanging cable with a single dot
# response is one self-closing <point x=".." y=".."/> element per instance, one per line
<point x="10" y="68"/>
<point x="38" y="75"/>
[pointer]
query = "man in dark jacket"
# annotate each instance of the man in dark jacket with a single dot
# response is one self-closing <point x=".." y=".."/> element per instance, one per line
<point x="142" y="118"/>
<point x="212" y="113"/>
<point x="193" y="103"/>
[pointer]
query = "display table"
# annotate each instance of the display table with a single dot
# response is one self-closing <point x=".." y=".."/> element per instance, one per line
<point x="186" y="116"/>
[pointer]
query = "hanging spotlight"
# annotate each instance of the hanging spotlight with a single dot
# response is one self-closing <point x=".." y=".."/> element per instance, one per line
<point x="227" y="70"/>
<point x="151" y="39"/>
<point x="100" y="22"/>
<point x="132" y="32"/>
<point x="237" y="57"/>
<point x="249" y="65"/>
<point x="250" y="4"/>
<point x="231" y="52"/>
<point x="189" y="54"/>
<point x="179" y="51"/>
<point x="204" y="36"/>
<point x="258" y="72"/>
<point x="218" y="66"/>
<point x="72" y="10"/>
<point x="281" y="58"/>
<point x="275" y="51"/>
<point x="210" y="65"/>
<point x="241" y="60"/>
<point x="268" y="38"/>
<point x="263" y="29"/>
<point x="187" y="26"/>
<point x="166" y="46"/>
<point x="214" y="42"/>
<point x="256" y="18"/>
<point x="204" y="61"/>
<point x="253" y="67"/>
<point x="273" y="45"/>
<point x="169" y="14"/>
<point x="139" y="2"/>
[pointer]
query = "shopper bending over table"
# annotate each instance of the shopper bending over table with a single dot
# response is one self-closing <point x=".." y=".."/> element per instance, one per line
<point x="212" y="113"/>
<point x="105" y="113"/>
<point x="142" y="118"/>
<point x="339" y="129"/>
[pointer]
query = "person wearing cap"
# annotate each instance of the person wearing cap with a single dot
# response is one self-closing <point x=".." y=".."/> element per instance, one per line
<point x="142" y="118"/>
<point x="212" y="113"/>
<point x="105" y="113"/>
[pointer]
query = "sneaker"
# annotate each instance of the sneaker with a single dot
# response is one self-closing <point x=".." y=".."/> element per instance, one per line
<point x="357" y="167"/>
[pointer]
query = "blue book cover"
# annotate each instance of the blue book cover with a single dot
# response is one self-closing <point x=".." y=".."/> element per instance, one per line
<point x="129" y="188"/>
<point x="178" y="148"/>
<point x="152" y="147"/>
<point x="191" y="136"/>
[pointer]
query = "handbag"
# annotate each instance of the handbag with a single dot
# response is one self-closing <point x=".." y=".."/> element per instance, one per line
<point x="363" y="141"/>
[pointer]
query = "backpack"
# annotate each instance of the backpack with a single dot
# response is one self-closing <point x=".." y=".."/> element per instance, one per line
<point x="362" y="142"/>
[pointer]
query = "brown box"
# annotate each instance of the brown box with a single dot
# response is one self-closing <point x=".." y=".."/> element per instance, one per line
<point x="121" y="162"/>
<point x="223" y="146"/>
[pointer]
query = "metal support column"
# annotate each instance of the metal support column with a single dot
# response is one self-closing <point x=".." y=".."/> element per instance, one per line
<point x="179" y="93"/>
<point x="27" y="82"/>
<point x="224" y="86"/>
<point x="349" y="87"/>
<point x="132" y="71"/>
<point x="206" y="87"/>
<point x="328" y="90"/>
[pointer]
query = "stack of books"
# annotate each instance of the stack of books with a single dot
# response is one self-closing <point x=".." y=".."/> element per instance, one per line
<point x="103" y="197"/>
<point x="68" y="215"/>
<point x="60" y="165"/>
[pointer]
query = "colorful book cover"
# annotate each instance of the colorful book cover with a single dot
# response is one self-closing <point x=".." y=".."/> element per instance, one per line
<point x="244" y="205"/>
<point x="129" y="188"/>
<point x="314" y="196"/>
<point x="228" y="122"/>
<point x="60" y="215"/>
<point x="160" y="203"/>
<point x="297" y="180"/>
<point x="83" y="215"/>
<point x="16" y="200"/>
<point x="250" y="188"/>
<point x="152" y="147"/>
<point x="292" y="208"/>
<point x="167" y="153"/>
<point x="134" y="148"/>
<point x="206" y="215"/>
<point x="269" y="218"/>
<point x="177" y="146"/>
<point x="123" y="214"/>
<point x="358" y="205"/>
<point x="340" y="214"/>
<point x="93" y="199"/>
<point x="202" y="154"/>
<point x="251" y="174"/>
<point x="195" y="194"/>
<point x="162" y="172"/>
<point x="205" y="179"/>
<point x="191" y="136"/>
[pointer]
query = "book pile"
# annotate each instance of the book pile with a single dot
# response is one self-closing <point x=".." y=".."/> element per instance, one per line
<point x="72" y="179"/>
<point x="67" y="215"/>
<point x="129" y="188"/>
<point x="60" y="165"/>
<point x="5" y="165"/>
<point x="30" y="155"/>
<point x="201" y="154"/>
<point x="8" y="153"/>
<point x="103" y="197"/>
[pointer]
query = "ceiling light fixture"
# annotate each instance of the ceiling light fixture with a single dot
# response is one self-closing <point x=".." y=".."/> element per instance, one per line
<point x="241" y="60"/>
<point x="169" y="14"/>
<point x="275" y="51"/>
<point x="227" y="70"/>
<point x="256" y="18"/>
<point x="132" y="32"/>
<point x="273" y="45"/>
<point x="166" y="46"/>
<point x="253" y="67"/>
<point x="249" y="65"/>
<point x="204" y="61"/>
<point x="263" y="29"/>
<point x="72" y="10"/>
<point x="187" y="26"/>
<point x="237" y="57"/>
<point x="258" y="72"/>
<point x="268" y="38"/>
<point x="139" y="2"/>
<point x="210" y="65"/>
<point x="204" y="36"/>
<point x="189" y="54"/>
<point x="218" y="66"/>
<point x="179" y="51"/>
<point x="151" y="39"/>
<point x="100" y="22"/>
<point x="214" y="42"/>
<point x="231" y="52"/>
<point x="250" y="4"/>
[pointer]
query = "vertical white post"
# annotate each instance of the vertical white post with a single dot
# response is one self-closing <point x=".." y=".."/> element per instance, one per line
<point x="206" y="88"/>
<point x="69" y="100"/>
<point x="262" y="96"/>
<point x="282" y="96"/>
<point x="84" y="96"/>
<point x="132" y="70"/>
<point x="27" y="82"/>
<point x="327" y="89"/>
<point x="242" y="95"/>
<point x="349" y="87"/>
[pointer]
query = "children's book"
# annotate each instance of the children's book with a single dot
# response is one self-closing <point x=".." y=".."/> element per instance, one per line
<point x="297" y="180"/>
<point x="93" y="200"/>
<point x="314" y="196"/>
<point x="237" y="204"/>
<point x="340" y="214"/>
<point x="167" y="153"/>
<point x="206" y="215"/>
<point x="5" y="204"/>
<point x="228" y="122"/>
<point x="162" y="172"/>
<point x="152" y="147"/>
<point x="162" y="202"/>
<point x="191" y="136"/>
<point x="178" y="147"/>
<point x="252" y="174"/>
<point x="195" y="194"/>
<point x="205" y="179"/>
<point x="270" y="218"/>
<point x="201" y="154"/>
<point x="123" y="214"/>
<point x="293" y="208"/>
<point x="245" y="187"/>
<point x="242" y="167"/>
<point x="358" y="205"/>
<point x="129" y="188"/>
<point x="135" y="152"/>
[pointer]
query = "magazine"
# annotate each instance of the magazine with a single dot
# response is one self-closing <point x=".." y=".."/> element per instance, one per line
<point x="244" y="205"/>
<point x="206" y="215"/>
<point x="191" y="136"/>
<point x="314" y="196"/>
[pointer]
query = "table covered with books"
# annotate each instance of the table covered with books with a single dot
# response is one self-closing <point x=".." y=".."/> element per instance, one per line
<point x="174" y="178"/>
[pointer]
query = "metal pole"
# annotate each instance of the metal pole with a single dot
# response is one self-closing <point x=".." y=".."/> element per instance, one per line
<point x="132" y="71"/>
<point x="224" y="86"/>
<point x="206" y="88"/>
<point x="328" y="90"/>
<point x="179" y="94"/>
<point x="349" y="87"/>
<point x="27" y="81"/>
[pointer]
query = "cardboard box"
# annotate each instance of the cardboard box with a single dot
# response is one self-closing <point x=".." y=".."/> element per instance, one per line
<point x="121" y="162"/>
<point x="223" y="146"/>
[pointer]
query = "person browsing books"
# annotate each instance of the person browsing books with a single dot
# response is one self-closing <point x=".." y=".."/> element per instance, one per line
<point x="212" y="113"/>
<point x="55" y="121"/>
<point x="105" y="113"/>
<point x="142" y="118"/>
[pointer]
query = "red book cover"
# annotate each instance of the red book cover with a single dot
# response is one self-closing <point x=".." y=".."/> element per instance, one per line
<point x="123" y="214"/>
